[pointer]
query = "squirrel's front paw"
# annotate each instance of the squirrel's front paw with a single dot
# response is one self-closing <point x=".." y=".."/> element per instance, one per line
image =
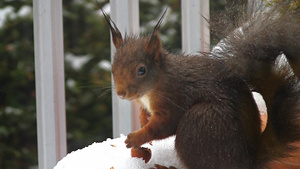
<point x="133" y="140"/>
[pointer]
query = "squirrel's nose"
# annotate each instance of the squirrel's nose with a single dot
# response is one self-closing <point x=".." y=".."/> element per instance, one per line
<point x="121" y="94"/>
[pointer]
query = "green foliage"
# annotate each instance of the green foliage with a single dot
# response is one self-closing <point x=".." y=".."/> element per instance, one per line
<point x="17" y="93"/>
<point x="86" y="37"/>
<point x="88" y="114"/>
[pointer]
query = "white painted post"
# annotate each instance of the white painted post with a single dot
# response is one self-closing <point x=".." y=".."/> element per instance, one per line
<point x="125" y="13"/>
<point x="195" y="28"/>
<point x="50" y="88"/>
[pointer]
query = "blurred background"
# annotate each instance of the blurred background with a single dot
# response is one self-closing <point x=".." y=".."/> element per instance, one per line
<point x="87" y="72"/>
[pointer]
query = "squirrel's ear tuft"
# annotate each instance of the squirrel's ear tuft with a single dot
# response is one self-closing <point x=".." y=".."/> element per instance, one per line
<point x="153" y="47"/>
<point x="116" y="34"/>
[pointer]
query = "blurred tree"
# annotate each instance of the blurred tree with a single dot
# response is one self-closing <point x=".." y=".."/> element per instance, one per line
<point x="17" y="89"/>
<point x="86" y="46"/>
<point x="87" y="73"/>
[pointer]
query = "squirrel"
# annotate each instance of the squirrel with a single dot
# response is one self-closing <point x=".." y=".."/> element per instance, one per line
<point x="206" y="99"/>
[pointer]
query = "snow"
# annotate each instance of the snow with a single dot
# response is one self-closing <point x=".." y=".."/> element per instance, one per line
<point x="105" y="8"/>
<point x="77" y="61"/>
<point x="105" y="65"/>
<point x="113" y="153"/>
<point x="4" y="12"/>
<point x="24" y="11"/>
<point x="8" y="11"/>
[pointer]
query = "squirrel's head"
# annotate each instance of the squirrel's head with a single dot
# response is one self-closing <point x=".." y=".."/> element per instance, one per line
<point x="137" y="62"/>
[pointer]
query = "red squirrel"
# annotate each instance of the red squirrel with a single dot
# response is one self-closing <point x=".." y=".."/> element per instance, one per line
<point x="206" y="101"/>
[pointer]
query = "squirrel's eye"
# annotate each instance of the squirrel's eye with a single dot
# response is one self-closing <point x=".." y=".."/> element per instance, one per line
<point x="141" y="71"/>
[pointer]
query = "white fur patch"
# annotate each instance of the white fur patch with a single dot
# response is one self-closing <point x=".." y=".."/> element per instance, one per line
<point x="145" y="101"/>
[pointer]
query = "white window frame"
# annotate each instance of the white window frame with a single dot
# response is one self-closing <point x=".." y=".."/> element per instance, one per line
<point x="50" y="87"/>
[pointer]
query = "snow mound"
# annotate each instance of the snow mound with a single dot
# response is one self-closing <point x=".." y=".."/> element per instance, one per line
<point x="113" y="154"/>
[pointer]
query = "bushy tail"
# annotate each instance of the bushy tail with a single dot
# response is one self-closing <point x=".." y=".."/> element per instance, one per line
<point x="271" y="33"/>
<point x="283" y="127"/>
<point x="254" y="51"/>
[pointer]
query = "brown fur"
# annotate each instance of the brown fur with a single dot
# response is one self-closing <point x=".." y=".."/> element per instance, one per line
<point x="144" y="116"/>
<point x="206" y="99"/>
